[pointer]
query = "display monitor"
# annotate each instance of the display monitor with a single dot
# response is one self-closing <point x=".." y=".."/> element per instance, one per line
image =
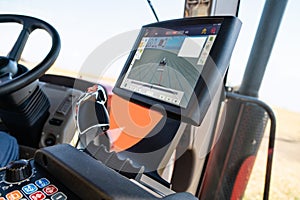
<point x="174" y="64"/>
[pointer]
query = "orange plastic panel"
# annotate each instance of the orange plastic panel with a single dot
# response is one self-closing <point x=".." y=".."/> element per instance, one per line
<point x="130" y="123"/>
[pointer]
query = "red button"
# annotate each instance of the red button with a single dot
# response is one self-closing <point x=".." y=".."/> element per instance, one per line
<point x="51" y="189"/>
<point x="37" y="196"/>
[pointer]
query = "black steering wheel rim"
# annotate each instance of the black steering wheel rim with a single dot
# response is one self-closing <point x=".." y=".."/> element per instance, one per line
<point x="29" y="25"/>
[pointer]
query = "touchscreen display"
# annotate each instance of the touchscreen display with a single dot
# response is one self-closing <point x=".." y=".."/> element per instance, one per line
<point x="167" y="63"/>
<point x="177" y="66"/>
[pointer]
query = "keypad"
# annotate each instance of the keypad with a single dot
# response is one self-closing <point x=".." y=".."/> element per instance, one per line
<point x="41" y="189"/>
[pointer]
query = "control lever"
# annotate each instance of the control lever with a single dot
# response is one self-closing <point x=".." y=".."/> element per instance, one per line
<point x="92" y="116"/>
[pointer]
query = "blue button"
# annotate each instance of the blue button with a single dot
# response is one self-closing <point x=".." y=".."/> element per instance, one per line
<point x="43" y="182"/>
<point x="29" y="189"/>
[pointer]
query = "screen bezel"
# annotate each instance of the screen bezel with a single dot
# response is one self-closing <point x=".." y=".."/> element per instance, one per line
<point x="219" y="56"/>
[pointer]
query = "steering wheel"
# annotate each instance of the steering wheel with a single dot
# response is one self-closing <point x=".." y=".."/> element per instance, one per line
<point x="12" y="78"/>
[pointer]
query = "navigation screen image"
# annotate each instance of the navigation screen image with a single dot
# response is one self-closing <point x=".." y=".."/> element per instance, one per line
<point x="167" y="64"/>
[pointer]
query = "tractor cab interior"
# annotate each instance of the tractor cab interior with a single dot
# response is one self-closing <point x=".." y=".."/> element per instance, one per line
<point x="173" y="75"/>
<point x="166" y="130"/>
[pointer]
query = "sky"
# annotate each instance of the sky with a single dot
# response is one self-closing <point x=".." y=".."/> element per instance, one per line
<point x="86" y="25"/>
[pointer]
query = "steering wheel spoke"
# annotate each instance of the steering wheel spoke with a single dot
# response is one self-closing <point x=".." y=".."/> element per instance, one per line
<point x="9" y="65"/>
<point x="16" y="51"/>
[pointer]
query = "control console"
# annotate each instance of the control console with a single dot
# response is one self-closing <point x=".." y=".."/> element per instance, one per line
<point x="25" y="179"/>
<point x="62" y="172"/>
<point x="60" y="125"/>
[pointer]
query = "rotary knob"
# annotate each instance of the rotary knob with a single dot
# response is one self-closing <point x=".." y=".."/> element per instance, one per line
<point x="18" y="171"/>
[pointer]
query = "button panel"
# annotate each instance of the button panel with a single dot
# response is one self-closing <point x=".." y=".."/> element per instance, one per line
<point x="38" y="187"/>
<point x="39" y="190"/>
<point x="65" y="106"/>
